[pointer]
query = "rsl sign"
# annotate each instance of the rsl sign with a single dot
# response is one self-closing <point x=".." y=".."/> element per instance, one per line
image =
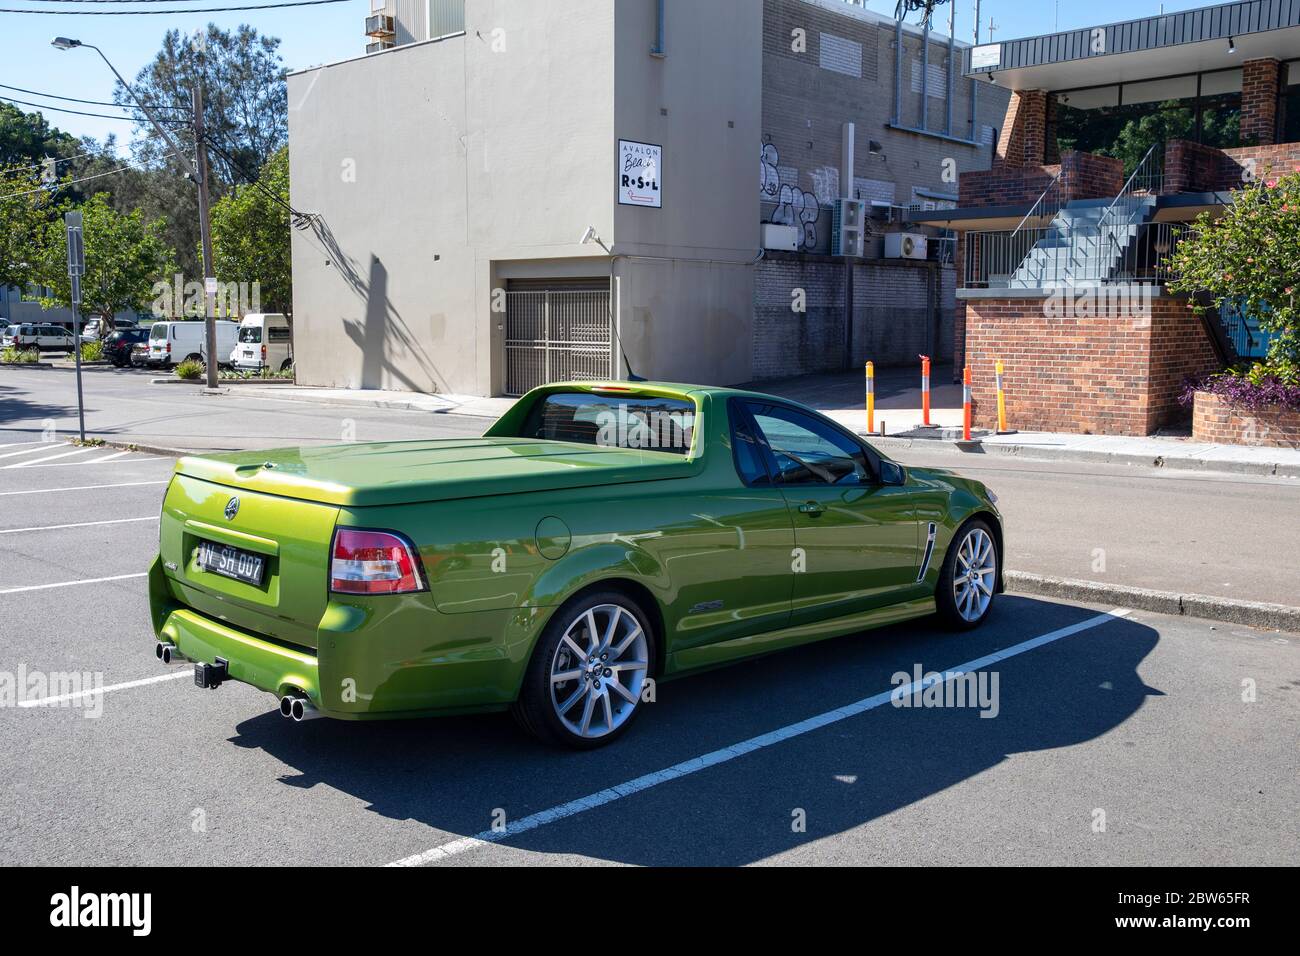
<point x="640" y="168"/>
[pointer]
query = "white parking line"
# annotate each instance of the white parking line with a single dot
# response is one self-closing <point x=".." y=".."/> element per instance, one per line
<point x="46" y="701"/>
<point x="15" y="444"/>
<point x="50" y="491"/>
<point x="40" y="446"/>
<point x="114" y="459"/>
<point x="68" y="584"/>
<point x="78" y="524"/>
<point x="696" y="764"/>
<point x="66" y="454"/>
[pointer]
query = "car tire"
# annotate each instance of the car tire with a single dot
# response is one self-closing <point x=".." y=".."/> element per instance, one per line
<point x="968" y="579"/>
<point x="598" y="703"/>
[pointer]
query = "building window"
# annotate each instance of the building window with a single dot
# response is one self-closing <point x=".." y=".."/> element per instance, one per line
<point x="446" y="17"/>
<point x="1126" y="120"/>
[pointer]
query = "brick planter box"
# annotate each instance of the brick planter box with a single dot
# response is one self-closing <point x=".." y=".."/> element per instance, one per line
<point x="1214" y="420"/>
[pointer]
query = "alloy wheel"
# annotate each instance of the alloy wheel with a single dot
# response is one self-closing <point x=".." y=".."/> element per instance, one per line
<point x="598" y="670"/>
<point x="975" y="574"/>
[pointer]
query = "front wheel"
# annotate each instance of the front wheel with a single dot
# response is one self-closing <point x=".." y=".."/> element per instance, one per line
<point x="584" y="683"/>
<point x="969" y="577"/>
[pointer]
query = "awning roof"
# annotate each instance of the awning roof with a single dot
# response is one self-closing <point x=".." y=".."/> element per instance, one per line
<point x="1191" y="41"/>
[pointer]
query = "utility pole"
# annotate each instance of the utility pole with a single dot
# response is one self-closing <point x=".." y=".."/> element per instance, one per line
<point x="205" y="235"/>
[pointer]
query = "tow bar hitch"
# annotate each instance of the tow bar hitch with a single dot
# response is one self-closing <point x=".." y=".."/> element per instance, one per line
<point x="211" y="675"/>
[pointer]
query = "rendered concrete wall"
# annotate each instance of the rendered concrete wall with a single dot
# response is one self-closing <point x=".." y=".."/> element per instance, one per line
<point x="427" y="163"/>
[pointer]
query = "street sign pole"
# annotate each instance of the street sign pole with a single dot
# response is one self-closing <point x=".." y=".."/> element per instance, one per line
<point x="77" y="268"/>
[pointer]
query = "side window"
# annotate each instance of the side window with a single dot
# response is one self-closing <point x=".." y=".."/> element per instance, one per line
<point x="808" y="451"/>
<point x="747" y="451"/>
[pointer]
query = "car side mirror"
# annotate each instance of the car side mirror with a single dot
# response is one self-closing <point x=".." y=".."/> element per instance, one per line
<point x="892" y="474"/>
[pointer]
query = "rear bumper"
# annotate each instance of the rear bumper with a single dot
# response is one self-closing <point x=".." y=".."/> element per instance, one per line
<point x="270" y="667"/>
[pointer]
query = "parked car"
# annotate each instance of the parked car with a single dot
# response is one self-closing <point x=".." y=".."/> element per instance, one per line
<point x="44" y="338"/>
<point x="119" y="344"/>
<point x="99" y="327"/>
<point x="598" y="536"/>
<point x="265" y="341"/>
<point x="140" y="354"/>
<point x="172" y="342"/>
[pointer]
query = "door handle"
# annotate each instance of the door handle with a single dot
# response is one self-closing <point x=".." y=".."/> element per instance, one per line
<point x="811" y="508"/>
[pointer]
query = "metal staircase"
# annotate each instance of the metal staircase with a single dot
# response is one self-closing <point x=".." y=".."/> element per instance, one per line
<point x="1087" y="242"/>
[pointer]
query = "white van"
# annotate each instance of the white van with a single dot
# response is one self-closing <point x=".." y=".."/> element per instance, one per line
<point x="172" y="342"/>
<point x="265" y="341"/>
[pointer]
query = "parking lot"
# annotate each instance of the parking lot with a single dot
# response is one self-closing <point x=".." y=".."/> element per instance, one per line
<point x="1119" y="737"/>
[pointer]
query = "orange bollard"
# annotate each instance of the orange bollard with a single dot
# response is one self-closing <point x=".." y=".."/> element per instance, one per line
<point x="871" y="398"/>
<point x="965" y="403"/>
<point x="925" y="391"/>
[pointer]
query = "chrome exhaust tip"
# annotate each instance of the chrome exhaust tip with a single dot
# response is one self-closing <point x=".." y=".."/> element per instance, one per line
<point x="165" y="652"/>
<point x="286" y="706"/>
<point x="301" y="709"/>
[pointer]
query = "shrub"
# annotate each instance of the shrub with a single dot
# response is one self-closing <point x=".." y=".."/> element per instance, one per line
<point x="92" y="351"/>
<point x="1250" y="258"/>
<point x="190" y="369"/>
<point x="1252" y="389"/>
<point x="16" y="356"/>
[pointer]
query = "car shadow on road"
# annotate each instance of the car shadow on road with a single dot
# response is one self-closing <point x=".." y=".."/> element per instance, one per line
<point x="453" y="774"/>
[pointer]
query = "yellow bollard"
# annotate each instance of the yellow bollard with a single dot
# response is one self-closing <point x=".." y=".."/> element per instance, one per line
<point x="871" y="398"/>
<point x="1002" y="402"/>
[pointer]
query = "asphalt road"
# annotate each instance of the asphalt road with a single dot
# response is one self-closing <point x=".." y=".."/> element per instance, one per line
<point x="1222" y="535"/>
<point x="1133" y="721"/>
<point x="121" y="405"/>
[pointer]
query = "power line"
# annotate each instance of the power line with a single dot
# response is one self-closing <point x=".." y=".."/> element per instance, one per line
<point x="61" y="109"/>
<point x="85" y="179"/>
<point x="171" y="10"/>
<point x="252" y="180"/>
<point x="54" y="159"/>
<point x="73" y="99"/>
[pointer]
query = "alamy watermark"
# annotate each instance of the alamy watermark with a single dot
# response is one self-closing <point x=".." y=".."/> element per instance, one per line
<point x="634" y="428"/>
<point x="82" y="689"/>
<point x="951" y="689"/>
<point x="179" y="299"/>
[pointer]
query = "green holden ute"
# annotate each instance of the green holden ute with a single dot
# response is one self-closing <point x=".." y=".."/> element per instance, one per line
<point x="598" y="538"/>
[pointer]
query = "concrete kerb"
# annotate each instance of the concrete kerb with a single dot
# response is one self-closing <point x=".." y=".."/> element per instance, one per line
<point x="1045" y="453"/>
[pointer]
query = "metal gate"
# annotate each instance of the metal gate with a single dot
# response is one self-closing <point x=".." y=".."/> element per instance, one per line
<point x="558" y="335"/>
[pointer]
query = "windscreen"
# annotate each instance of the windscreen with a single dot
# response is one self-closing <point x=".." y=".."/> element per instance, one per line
<point x="614" y="421"/>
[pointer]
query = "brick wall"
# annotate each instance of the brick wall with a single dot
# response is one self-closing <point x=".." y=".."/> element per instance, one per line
<point x="1083" y="176"/>
<point x="1214" y="420"/>
<point x="1118" y="373"/>
<point x="1190" y="167"/>
<point x="892" y="317"/>
<point x="1023" y="140"/>
<point x="844" y="72"/>
<point x="1261" y="84"/>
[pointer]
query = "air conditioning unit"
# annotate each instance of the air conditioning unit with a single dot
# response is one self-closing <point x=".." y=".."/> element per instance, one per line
<point x="380" y="25"/>
<point x="778" y="236"/>
<point x="379" y="45"/>
<point x="848" y="228"/>
<point x="905" y="245"/>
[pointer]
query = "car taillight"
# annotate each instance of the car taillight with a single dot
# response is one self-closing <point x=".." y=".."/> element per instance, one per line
<point x="264" y="353"/>
<point x="169" y="347"/>
<point x="373" y="562"/>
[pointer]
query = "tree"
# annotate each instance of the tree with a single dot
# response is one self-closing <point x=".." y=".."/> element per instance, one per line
<point x="245" y="111"/>
<point x="125" y="255"/>
<point x="250" y="235"/>
<point x="245" y="107"/>
<point x="27" y="138"/>
<point x="1250" y="258"/>
<point x="25" y="206"/>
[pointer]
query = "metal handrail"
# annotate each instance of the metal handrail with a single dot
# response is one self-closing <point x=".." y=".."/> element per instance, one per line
<point x="1034" y="208"/>
<point x="1127" y="185"/>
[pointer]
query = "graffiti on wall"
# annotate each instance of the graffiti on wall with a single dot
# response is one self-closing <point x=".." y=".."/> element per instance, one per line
<point x="794" y="206"/>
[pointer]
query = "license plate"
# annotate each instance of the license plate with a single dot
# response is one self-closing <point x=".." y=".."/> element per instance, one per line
<point x="230" y="562"/>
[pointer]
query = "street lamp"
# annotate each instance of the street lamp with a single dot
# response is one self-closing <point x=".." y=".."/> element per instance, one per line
<point x="198" y="170"/>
